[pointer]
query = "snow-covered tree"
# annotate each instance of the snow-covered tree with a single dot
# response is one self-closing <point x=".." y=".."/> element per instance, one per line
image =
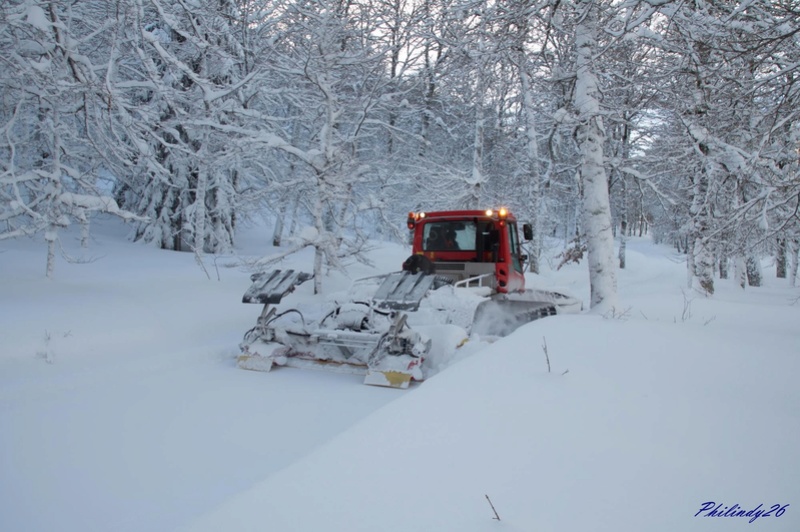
<point x="179" y="91"/>
<point x="52" y="115"/>
<point x="726" y="78"/>
<point x="591" y="137"/>
<point x="340" y="116"/>
<point x="325" y="52"/>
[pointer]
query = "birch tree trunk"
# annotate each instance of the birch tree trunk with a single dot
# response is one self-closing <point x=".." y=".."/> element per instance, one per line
<point x="623" y="223"/>
<point x="51" y="235"/>
<point x="723" y="266"/>
<point x="319" y="253"/>
<point x="780" y="258"/>
<point x="474" y="197"/>
<point x="277" y="233"/>
<point x="199" y="228"/>
<point x="624" y="154"/>
<point x="534" y="179"/>
<point x="793" y="246"/>
<point x="702" y="255"/>
<point x="740" y="271"/>
<point x="476" y="180"/>
<point x="591" y="136"/>
<point x="754" y="273"/>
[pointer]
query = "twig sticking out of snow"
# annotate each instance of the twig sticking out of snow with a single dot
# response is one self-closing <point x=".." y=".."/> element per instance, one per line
<point x="686" y="315"/>
<point x="619" y="314"/>
<point x="47" y="353"/>
<point x="546" y="356"/>
<point x="497" y="517"/>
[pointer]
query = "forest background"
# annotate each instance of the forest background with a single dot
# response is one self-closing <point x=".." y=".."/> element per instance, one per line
<point x="591" y="120"/>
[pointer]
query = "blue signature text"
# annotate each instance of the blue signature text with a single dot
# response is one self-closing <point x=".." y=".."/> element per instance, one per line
<point x="713" y="509"/>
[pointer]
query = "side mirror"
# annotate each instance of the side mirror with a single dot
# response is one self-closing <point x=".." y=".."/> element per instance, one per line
<point x="527" y="231"/>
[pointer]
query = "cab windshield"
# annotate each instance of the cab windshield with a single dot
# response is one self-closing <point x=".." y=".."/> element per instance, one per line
<point x="449" y="236"/>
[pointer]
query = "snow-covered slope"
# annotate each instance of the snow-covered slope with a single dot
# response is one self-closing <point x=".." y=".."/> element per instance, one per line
<point x="633" y="437"/>
<point x="142" y="422"/>
<point x="641" y="422"/>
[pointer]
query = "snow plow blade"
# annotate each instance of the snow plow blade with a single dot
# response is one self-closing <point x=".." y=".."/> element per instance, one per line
<point x="390" y="379"/>
<point x="372" y="377"/>
<point x="261" y="360"/>
<point x="503" y="315"/>
<point x="278" y="355"/>
<point x="254" y="362"/>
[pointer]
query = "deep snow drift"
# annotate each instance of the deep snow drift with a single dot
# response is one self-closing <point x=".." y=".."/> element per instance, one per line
<point x="121" y="408"/>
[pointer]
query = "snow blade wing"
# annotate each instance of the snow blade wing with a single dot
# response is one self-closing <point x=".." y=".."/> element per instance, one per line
<point x="270" y="287"/>
<point x="403" y="290"/>
<point x="497" y="317"/>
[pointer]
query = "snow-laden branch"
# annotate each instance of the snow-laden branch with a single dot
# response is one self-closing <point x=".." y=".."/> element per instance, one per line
<point x="304" y="240"/>
<point x="97" y="203"/>
<point x="312" y="157"/>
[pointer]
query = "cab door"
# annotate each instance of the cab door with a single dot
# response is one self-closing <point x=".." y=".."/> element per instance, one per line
<point x="515" y="276"/>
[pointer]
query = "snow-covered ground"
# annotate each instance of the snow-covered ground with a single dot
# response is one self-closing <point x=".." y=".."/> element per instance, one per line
<point x="121" y="408"/>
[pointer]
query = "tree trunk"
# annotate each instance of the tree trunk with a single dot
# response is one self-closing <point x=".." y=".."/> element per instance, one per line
<point x="200" y="205"/>
<point x="740" y="271"/>
<point x="80" y="214"/>
<point x="318" y="253"/>
<point x="623" y="229"/>
<point x="623" y="223"/>
<point x="704" y="265"/>
<point x="591" y="136"/>
<point x="476" y="181"/>
<point x="702" y="255"/>
<point x="793" y="246"/>
<point x="51" y="236"/>
<point x="780" y="259"/>
<point x="277" y="233"/>
<point x="723" y="266"/>
<point x="319" y="224"/>
<point x="534" y="178"/>
<point x="754" y="275"/>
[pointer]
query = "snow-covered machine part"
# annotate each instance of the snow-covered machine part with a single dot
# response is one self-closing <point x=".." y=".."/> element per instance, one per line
<point x="362" y="337"/>
<point x="465" y="272"/>
<point x="271" y="287"/>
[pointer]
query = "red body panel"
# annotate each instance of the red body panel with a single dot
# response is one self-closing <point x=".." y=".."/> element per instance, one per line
<point x="483" y="239"/>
